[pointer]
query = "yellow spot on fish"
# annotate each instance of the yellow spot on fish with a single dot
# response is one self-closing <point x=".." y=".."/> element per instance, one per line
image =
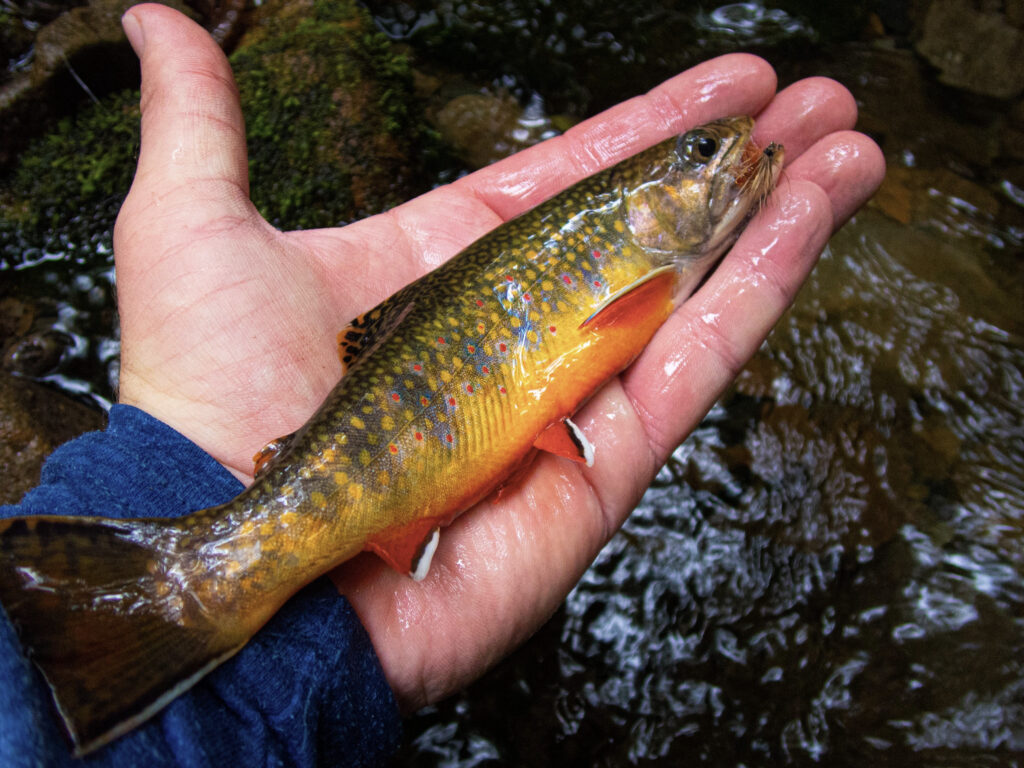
<point x="246" y="528"/>
<point x="445" y="376"/>
<point x="383" y="479"/>
<point x="364" y="457"/>
<point x="355" y="491"/>
<point x="318" y="499"/>
<point x="358" y="423"/>
<point x="515" y="322"/>
<point x="267" y="529"/>
<point x="547" y="285"/>
<point x="531" y="336"/>
<point x="340" y="478"/>
<point x="619" y="226"/>
<point x="289" y="517"/>
<point x="367" y="409"/>
<point x="386" y="422"/>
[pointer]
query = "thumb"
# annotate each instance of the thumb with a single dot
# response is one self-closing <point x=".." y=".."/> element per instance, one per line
<point x="192" y="158"/>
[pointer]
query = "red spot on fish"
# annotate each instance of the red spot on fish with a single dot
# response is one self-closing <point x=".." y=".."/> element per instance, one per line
<point x="417" y="367"/>
<point x="566" y="279"/>
<point x="479" y="302"/>
<point x="449" y="438"/>
<point x="451" y="401"/>
<point x="440" y="340"/>
<point x="480" y="327"/>
<point x="503" y="347"/>
<point x="503" y="390"/>
<point x="551" y="328"/>
<point x="393" y="448"/>
<point x="527" y="297"/>
<point x="597" y="283"/>
<point x="424" y="400"/>
<point x="508" y="278"/>
<point x="419" y="435"/>
<point x="470" y="348"/>
<point x="484" y="369"/>
<point x="597" y="254"/>
<point x="395" y="396"/>
<point x="469" y="388"/>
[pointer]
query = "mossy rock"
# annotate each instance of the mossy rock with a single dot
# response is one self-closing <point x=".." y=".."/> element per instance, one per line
<point x="334" y="135"/>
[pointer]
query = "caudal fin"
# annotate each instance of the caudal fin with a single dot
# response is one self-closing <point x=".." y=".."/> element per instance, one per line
<point x="104" y="609"/>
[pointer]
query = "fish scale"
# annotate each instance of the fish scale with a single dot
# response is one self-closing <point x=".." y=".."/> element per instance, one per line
<point x="449" y="387"/>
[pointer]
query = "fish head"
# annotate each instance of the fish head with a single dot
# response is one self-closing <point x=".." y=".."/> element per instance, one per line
<point x="690" y="196"/>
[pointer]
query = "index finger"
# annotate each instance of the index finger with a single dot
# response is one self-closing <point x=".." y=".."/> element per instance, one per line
<point x="728" y="85"/>
<point x="424" y="233"/>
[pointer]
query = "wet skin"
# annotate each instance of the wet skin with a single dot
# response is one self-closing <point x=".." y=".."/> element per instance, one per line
<point x="229" y="325"/>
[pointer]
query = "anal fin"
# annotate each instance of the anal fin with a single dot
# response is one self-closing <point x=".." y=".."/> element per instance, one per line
<point x="409" y="550"/>
<point x="564" y="438"/>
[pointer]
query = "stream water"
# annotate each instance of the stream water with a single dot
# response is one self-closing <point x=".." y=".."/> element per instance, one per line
<point x="830" y="569"/>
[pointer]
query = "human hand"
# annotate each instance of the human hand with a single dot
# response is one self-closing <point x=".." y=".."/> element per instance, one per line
<point x="228" y="325"/>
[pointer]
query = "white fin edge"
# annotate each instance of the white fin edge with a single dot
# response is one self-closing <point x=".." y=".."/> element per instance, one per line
<point x="419" y="573"/>
<point x="586" y="445"/>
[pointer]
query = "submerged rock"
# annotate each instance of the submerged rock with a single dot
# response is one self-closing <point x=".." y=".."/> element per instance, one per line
<point x="974" y="48"/>
<point x="34" y="420"/>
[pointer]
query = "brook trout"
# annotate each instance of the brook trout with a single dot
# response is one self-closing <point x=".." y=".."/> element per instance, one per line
<point x="448" y="388"/>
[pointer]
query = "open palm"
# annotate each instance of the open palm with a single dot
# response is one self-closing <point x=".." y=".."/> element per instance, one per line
<point x="229" y="325"/>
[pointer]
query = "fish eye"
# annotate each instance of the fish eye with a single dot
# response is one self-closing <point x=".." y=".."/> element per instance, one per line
<point x="701" y="147"/>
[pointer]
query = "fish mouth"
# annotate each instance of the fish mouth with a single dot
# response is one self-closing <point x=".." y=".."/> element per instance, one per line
<point x="753" y="172"/>
<point x="756" y="170"/>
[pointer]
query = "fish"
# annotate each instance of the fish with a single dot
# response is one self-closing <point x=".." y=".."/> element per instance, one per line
<point x="448" y="389"/>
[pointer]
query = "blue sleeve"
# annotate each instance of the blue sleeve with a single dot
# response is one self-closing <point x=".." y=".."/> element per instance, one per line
<point x="306" y="690"/>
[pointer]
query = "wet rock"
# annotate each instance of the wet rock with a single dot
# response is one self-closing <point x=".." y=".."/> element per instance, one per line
<point x="974" y="48"/>
<point x="486" y="127"/>
<point x="34" y="420"/>
<point x="37" y="354"/>
<point x="334" y="130"/>
<point x="81" y="54"/>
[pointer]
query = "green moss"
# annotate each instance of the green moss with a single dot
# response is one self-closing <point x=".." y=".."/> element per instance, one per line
<point x="334" y="135"/>
<point x="65" y="192"/>
<point x="331" y="130"/>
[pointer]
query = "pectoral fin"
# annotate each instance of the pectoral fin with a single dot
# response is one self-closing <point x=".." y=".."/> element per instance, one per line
<point x="410" y="550"/>
<point x="653" y="289"/>
<point x="564" y="438"/>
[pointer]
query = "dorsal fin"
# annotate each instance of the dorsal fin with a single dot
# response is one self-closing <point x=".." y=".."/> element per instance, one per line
<point x="370" y="329"/>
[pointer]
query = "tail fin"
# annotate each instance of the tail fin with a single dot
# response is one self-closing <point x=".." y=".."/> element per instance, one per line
<point x="104" y="609"/>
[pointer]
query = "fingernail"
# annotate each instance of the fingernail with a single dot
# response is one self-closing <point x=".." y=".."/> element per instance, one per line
<point x="133" y="30"/>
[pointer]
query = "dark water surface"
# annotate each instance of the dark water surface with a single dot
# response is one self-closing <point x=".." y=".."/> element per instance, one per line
<point x="829" y="571"/>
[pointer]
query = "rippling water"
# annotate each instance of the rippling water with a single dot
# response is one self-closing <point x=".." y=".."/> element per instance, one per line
<point x="830" y="569"/>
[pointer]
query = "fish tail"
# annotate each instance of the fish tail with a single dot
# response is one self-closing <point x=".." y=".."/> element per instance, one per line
<point x="104" y="609"/>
